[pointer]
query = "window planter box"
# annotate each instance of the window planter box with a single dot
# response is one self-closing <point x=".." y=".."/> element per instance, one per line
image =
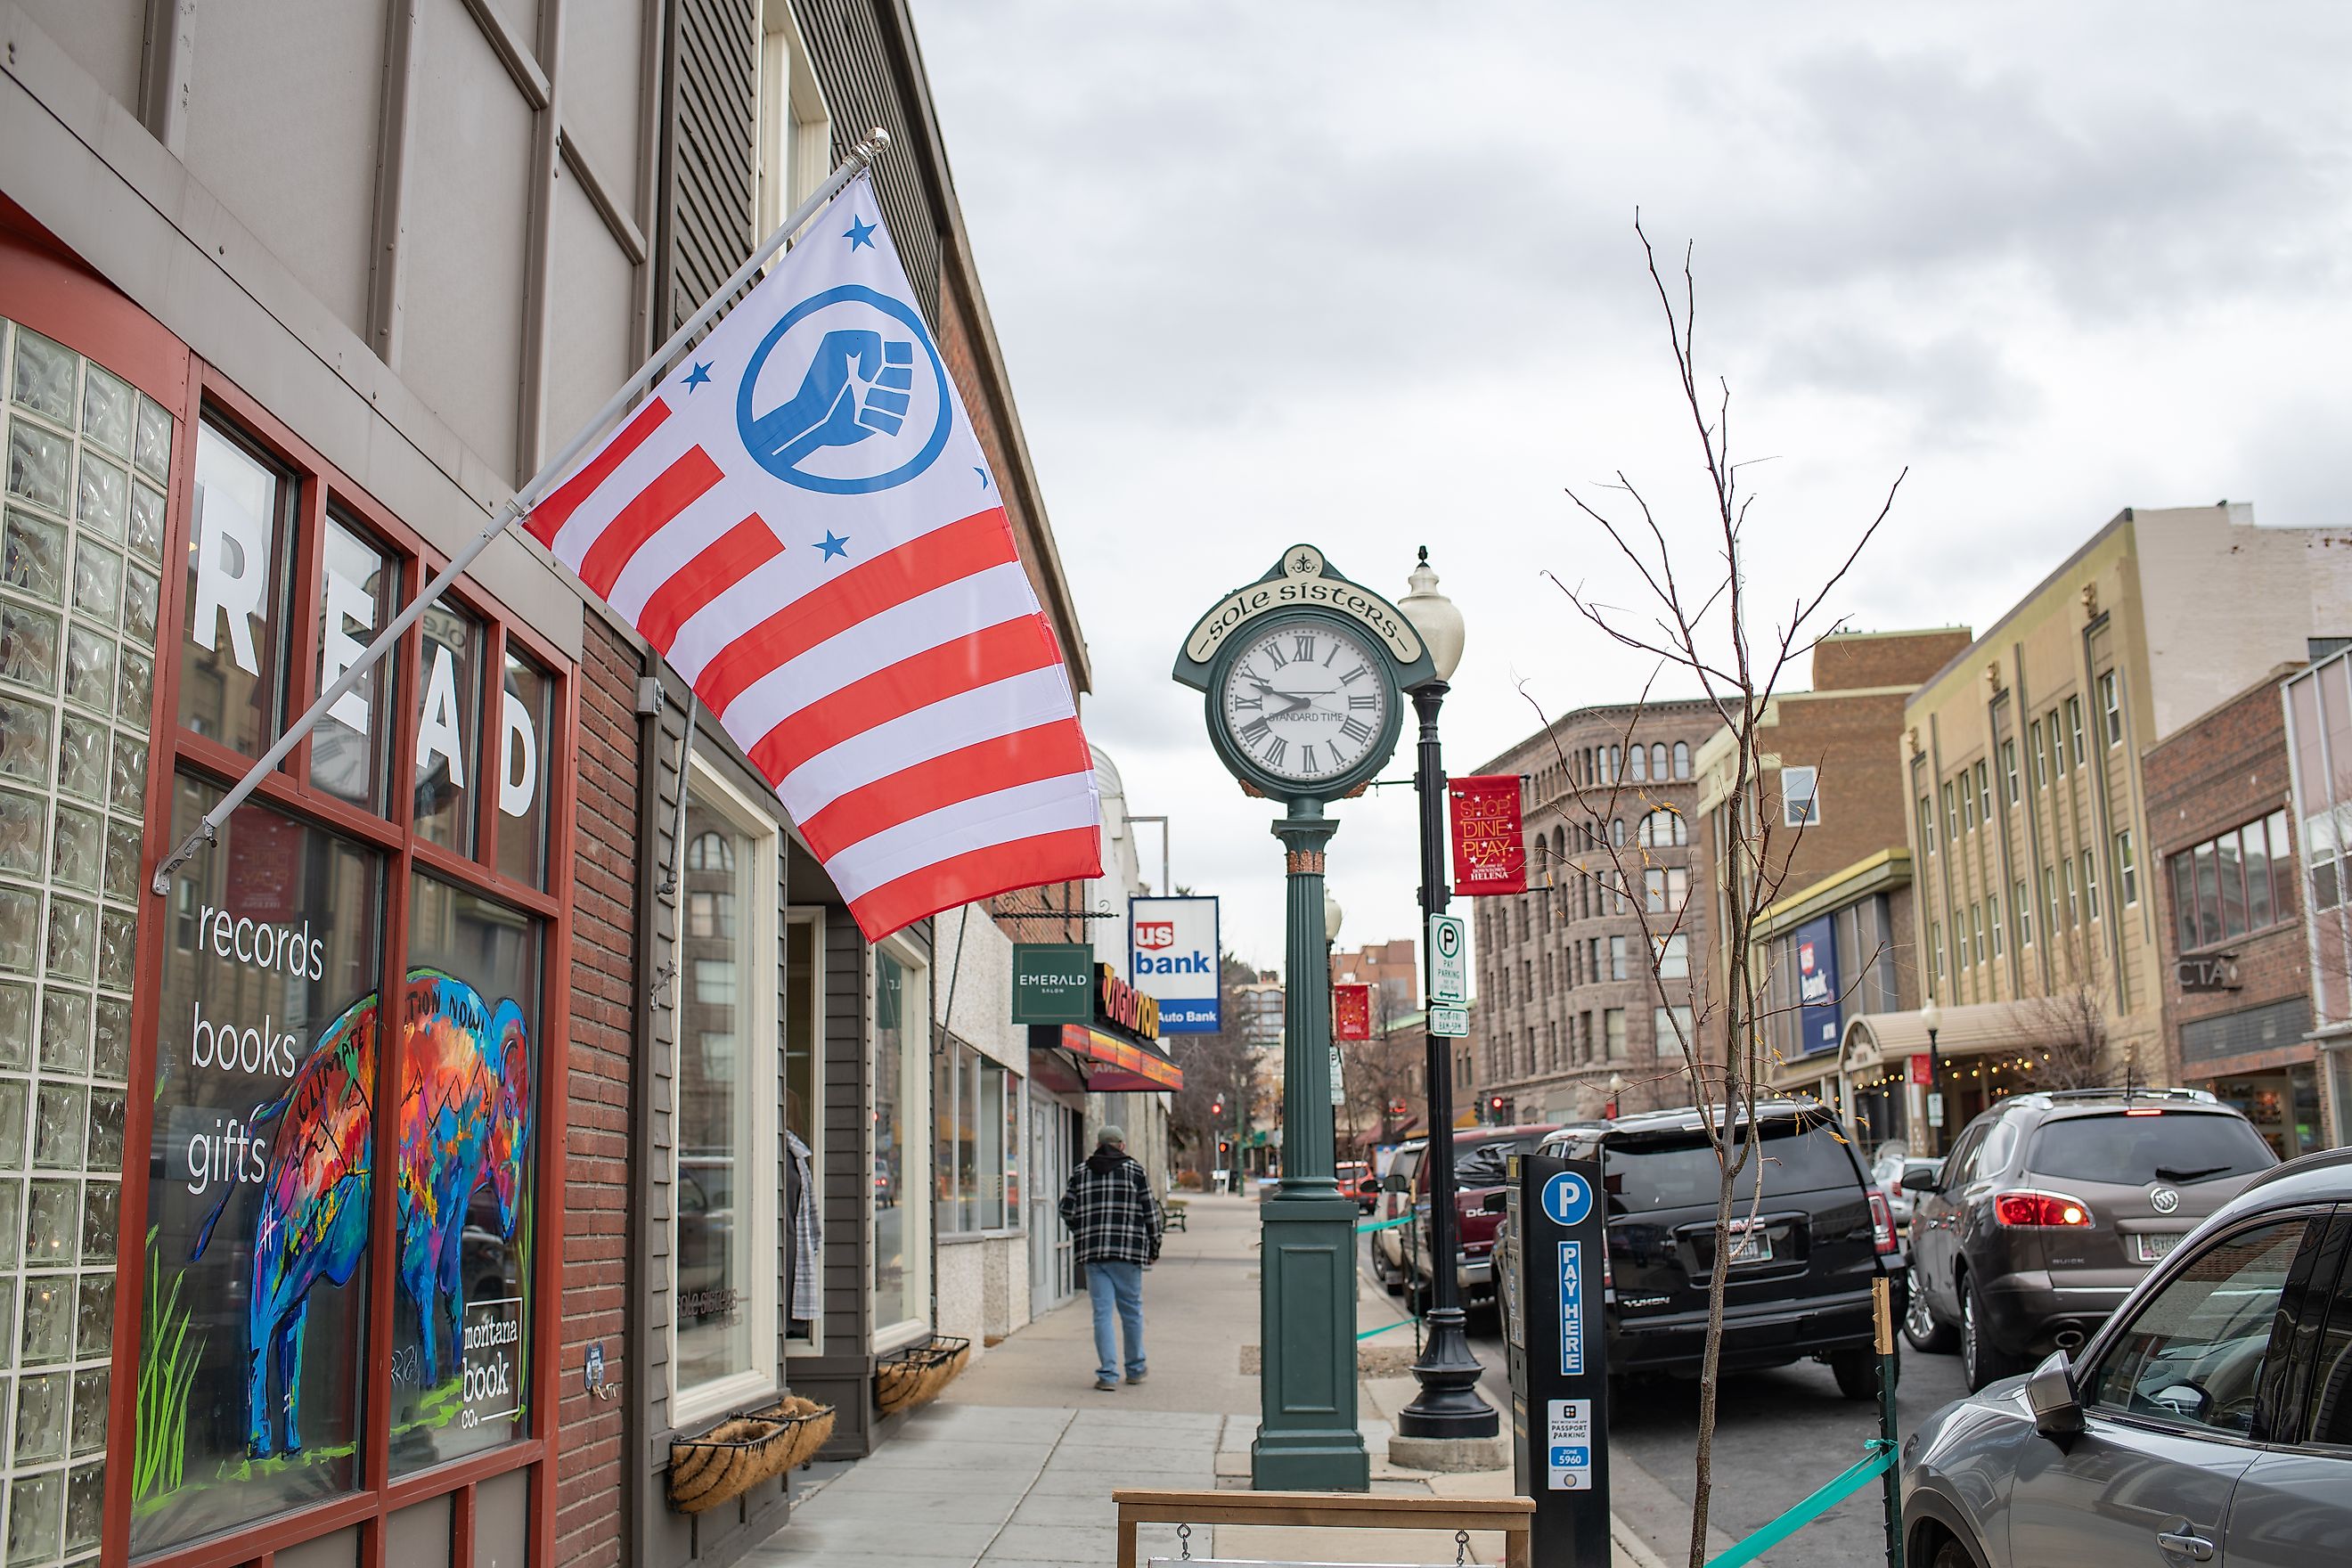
<point x="907" y="1378"/>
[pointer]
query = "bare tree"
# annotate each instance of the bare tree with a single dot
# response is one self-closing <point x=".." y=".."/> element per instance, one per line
<point x="1381" y="1073"/>
<point x="1217" y="1067"/>
<point x="1702" y="628"/>
<point x="2067" y="1022"/>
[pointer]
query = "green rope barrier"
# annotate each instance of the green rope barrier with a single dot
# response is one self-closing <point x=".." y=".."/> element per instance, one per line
<point x="1387" y="1224"/>
<point x="1882" y="1456"/>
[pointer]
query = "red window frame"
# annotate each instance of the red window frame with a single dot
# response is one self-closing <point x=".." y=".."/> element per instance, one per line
<point x="318" y="483"/>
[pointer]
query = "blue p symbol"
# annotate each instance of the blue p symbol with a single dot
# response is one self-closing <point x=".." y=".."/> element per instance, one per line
<point x="1566" y="1199"/>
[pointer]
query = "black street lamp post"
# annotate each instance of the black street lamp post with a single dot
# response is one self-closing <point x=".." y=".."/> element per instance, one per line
<point x="1448" y="1405"/>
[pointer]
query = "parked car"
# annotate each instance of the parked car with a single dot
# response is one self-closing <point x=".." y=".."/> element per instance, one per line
<point x="1481" y="1156"/>
<point x="1392" y="1242"/>
<point x="1886" y="1173"/>
<point x="2053" y="1206"/>
<point x="1356" y="1180"/>
<point x="2209" y="1420"/>
<point x="1799" y="1282"/>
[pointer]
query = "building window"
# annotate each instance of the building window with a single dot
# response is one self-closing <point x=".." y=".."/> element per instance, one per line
<point x="1664" y="828"/>
<point x="2127" y="870"/>
<point x="1638" y="770"/>
<point x="1682" y="760"/>
<point x="2009" y="769"/>
<point x="977" y="1107"/>
<point x="795" y="134"/>
<point x="2057" y="745"/>
<point x="2024" y="908"/>
<point x="1984" y="795"/>
<point x="1670" y="1028"/>
<point x="2034" y="744"/>
<point x="1935" y="947"/>
<point x="1665" y="890"/>
<point x="723" y="1348"/>
<point x="1674" y="957"/>
<point x="1617" y="958"/>
<point x="1801" y="798"/>
<point x="2090" y="883"/>
<point x="2050" y="901"/>
<point x="2231" y="884"/>
<point x="2074" y="728"/>
<point x="2112" y="707"/>
<point x="1658" y="762"/>
<point x="1976" y="932"/>
<point x="1992" y="919"/>
<point x="1617" y="832"/>
<point x="2073" y="895"/>
<point x="901" y="1058"/>
<point x="1613" y="1022"/>
<point x="1926" y="825"/>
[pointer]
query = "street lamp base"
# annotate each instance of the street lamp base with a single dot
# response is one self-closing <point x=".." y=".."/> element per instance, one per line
<point x="1448" y="1405"/>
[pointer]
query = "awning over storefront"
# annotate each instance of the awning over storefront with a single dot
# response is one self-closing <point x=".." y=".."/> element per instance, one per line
<point x="1980" y="1028"/>
<point x="1108" y="1063"/>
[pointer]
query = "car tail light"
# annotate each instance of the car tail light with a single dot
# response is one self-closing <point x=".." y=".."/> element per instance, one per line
<point x="2146" y="1110"/>
<point x="1608" y="1274"/>
<point x="2041" y="1210"/>
<point x="1882" y="1223"/>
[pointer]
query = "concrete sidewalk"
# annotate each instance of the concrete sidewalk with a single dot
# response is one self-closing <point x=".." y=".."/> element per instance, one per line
<point x="1014" y="1465"/>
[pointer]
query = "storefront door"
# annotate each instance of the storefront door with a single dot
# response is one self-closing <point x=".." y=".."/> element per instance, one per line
<point x="1052" y="1275"/>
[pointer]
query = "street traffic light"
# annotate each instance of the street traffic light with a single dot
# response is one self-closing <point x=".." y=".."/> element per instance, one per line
<point x="1495" y="1110"/>
<point x="1217" y="1106"/>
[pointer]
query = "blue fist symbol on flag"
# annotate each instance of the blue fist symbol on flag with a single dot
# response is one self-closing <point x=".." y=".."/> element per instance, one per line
<point x="856" y="386"/>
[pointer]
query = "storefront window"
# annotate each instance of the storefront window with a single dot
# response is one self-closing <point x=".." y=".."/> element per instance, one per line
<point x="978" y="1104"/>
<point x="356" y="597"/>
<point x="451" y="679"/>
<point x="802" y="1104"/>
<point x="468" y="1115"/>
<point x="258" y="1188"/>
<point x="229" y="686"/>
<point x="725" y="1167"/>
<point x="901" y="1288"/>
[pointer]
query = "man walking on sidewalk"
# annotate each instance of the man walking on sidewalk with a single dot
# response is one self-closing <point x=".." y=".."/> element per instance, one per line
<point x="1115" y="1225"/>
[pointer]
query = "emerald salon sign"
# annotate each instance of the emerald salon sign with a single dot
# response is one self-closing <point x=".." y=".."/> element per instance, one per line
<point x="1053" y="983"/>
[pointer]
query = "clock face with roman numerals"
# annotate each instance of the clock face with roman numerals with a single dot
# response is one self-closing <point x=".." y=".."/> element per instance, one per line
<point x="1304" y="699"/>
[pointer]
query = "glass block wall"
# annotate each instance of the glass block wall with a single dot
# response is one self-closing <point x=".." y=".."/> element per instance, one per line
<point x="81" y="540"/>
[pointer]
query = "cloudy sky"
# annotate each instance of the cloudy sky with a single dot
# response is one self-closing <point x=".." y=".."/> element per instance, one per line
<point x="1365" y="275"/>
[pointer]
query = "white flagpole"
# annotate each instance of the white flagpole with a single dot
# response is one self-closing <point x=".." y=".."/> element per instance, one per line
<point x="523" y="500"/>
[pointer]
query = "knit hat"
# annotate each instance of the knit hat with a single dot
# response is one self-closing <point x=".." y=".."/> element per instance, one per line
<point x="1113" y="1135"/>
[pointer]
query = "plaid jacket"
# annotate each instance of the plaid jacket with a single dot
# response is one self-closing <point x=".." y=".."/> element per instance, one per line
<point x="1112" y="1213"/>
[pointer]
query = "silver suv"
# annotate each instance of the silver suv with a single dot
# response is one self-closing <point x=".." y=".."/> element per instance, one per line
<point x="2209" y="1421"/>
<point x="2051" y="1206"/>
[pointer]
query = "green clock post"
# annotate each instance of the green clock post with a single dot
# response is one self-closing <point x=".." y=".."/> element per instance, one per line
<point x="1303" y="672"/>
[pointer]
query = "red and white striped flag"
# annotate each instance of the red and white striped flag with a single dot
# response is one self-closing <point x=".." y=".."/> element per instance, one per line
<point x="801" y="521"/>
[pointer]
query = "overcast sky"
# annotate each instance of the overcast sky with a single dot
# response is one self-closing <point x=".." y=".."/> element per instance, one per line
<point x="1365" y="275"/>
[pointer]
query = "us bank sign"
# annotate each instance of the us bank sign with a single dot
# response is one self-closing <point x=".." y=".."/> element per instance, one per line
<point x="1171" y="955"/>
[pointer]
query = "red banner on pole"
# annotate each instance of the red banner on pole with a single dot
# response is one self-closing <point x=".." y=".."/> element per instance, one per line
<point x="1919" y="1066"/>
<point x="1351" y="1012"/>
<point x="1490" y="850"/>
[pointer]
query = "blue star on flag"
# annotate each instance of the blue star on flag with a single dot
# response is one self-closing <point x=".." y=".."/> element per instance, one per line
<point x="859" y="232"/>
<point x="833" y="544"/>
<point x="983" y="473"/>
<point x="698" y="376"/>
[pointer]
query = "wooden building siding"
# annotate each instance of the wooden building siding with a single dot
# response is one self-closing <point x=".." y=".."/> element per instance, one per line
<point x="712" y="98"/>
<point x="860" y="68"/>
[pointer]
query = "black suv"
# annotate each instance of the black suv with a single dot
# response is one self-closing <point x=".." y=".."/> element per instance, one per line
<point x="1801" y="1276"/>
<point x="2051" y="1206"/>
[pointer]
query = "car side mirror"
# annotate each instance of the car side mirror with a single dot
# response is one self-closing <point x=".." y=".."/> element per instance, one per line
<point x="1919" y="1182"/>
<point x="1367" y="1186"/>
<point x="2050" y="1395"/>
<point x="1496" y="1203"/>
<point x="1394" y="1183"/>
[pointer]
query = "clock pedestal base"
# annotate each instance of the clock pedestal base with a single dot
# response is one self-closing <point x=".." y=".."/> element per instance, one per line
<point x="1307" y="1435"/>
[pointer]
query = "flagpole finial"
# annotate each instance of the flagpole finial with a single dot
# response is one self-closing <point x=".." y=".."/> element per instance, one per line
<point x="866" y="152"/>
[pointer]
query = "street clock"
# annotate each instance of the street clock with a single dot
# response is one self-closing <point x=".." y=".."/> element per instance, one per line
<point x="1304" y="673"/>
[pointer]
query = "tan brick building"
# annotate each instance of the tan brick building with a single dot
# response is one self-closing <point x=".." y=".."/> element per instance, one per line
<point x="2028" y="824"/>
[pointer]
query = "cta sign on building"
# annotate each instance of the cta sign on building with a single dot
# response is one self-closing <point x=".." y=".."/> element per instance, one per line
<point x="1171" y="954"/>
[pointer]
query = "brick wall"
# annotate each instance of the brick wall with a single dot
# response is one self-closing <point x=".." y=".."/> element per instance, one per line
<point x="595" y="1185"/>
<point x="2226" y="769"/>
<point x="1884" y="659"/>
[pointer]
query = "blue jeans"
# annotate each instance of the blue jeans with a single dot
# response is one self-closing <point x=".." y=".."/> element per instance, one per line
<point x="1118" y="1284"/>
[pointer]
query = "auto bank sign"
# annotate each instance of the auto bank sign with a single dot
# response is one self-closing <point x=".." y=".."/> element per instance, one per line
<point x="1171" y="955"/>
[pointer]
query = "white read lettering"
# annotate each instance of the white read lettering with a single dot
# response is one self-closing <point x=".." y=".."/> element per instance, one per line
<point x="437" y="731"/>
<point x="231" y="573"/>
<point x="348" y="605"/>
<point x="519" y="779"/>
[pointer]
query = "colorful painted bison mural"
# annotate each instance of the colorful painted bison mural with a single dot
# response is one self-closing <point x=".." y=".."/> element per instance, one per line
<point x="464" y="1119"/>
